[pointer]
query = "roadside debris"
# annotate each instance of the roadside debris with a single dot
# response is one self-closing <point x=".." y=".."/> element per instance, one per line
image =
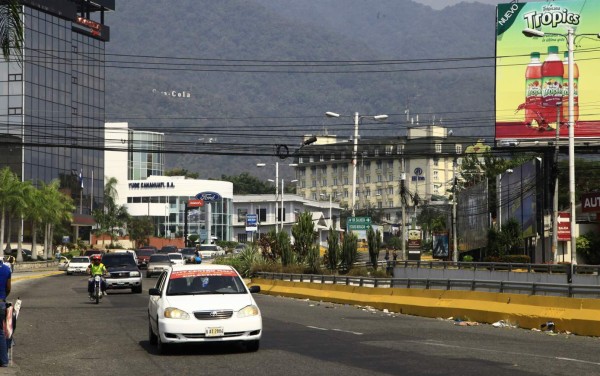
<point x="548" y="326"/>
<point x="503" y="324"/>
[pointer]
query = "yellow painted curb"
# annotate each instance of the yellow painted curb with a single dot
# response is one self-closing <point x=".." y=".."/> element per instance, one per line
<point x="576" y="315"/>
<point x="48" y="274"/>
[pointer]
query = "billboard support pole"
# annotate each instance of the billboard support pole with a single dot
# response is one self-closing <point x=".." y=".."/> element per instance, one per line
<point x="570" y="43"/>
<point x="454" y="224"/>
<point x="555" y="197"/>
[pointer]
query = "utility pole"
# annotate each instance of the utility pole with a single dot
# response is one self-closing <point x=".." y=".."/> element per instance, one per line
<point x="403" y="203"/>
<point x="454" y="240"/>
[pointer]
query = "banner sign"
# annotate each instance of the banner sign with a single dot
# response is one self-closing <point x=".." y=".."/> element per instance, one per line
<point x="532" y="75"/>
<point x="251" y="222"/>
<point x="590" y="202"/>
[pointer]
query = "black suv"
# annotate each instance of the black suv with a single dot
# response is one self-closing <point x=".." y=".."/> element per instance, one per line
<point x="123" y="271"/>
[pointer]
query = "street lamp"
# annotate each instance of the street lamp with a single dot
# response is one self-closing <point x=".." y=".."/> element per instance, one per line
<point x="282" y="191"/>
<point x="276" y="188"/>
<point x="571" y="67"/>
<point x="357" y="118"/>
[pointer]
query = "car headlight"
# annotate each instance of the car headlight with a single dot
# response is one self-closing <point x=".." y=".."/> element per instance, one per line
<point x="248" y="311"/>
<point x="134" y="274"/>
<point x="176" y="313"/>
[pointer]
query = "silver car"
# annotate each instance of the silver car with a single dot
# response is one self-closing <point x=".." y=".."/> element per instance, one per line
<point x="158" y="263"/>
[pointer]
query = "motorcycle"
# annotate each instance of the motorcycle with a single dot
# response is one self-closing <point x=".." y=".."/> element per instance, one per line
<point x="96" y="289"/>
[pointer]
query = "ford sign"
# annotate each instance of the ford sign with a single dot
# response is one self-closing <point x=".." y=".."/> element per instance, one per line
<point x="208" y="196"/>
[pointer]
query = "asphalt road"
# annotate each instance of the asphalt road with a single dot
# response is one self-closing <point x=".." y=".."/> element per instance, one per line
<point x="59" y="332"/>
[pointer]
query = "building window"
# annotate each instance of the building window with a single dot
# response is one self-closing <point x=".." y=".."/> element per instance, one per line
<point x="334" y="167"/>
<point x="379" y="164"/>
<point x="436" y="189"/>
<point x="378" y="192"/>
<point x="15" y="77"/>
<point x="335" y="181"/>
<point x="390" y="190"/>
<point x="311" y="159"/>
<point x="379" y="178"/>
<point x="389" y="149"/>
<point x="314" y="183"/>
<point x="242" y="214"/>
<point x="368" y="192"/>
<point x="321" y="158"/>
<point x="367" y="178"/>
<point x="391" y="177"/>
<point x="458" y="148"/>
<point x="324" y="183"/>
<point x="435" y="175"/>
<point x="438" y="148"/>
<point x="324" y="169"/>
<point x="400" y="149"/>
<point x="345" y="180"/>
<point x="15" y="110"/>
<point x="302" y="184"/>
<point x="313" y="169"/>
<point x="390" y="164"/>
<point x="300" y="159"/>
<point x="345" y="168"/>
<point x="436" y="162"/>
<point x="345" y="193"/>
<point x="343" y="155"/>
<point x="314" y="196"/>
<point x="379" y="205"/>
<point x="332" y="157"/>
<point x="377" y="152"/>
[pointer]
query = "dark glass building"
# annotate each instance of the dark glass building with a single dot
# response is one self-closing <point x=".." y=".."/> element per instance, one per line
<point x="52" y="98"/>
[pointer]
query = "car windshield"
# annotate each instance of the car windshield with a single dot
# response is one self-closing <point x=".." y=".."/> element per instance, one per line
<point x="175" y="256"/>
<point x="208" y="247"/>
<point x="160" y="258"/>
<point x="80" y="260"/>
<point x="118" y="260"/>
<point x="199" y="285"/>
<point x="168" y="248"/>
<point x="144" y="252"/>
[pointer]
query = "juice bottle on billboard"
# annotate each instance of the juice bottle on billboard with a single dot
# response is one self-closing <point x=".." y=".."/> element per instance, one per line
<point x="533" y="88"/>
<point x="552" y="79"/>
<point x="565" y="100"/>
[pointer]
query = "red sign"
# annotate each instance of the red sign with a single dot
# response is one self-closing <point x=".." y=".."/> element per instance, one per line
<point x="195" y="203"/>
<point x="590" y="202"/>
<point x="564" y="227"/>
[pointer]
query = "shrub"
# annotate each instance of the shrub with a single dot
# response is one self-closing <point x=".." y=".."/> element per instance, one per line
<point x="467" y="258"/>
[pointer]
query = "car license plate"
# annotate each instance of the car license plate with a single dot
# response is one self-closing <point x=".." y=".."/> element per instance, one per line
<point x="214" y="332"/>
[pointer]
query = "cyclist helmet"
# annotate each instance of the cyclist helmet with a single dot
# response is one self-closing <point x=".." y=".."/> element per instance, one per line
<point x="96" y="258"/>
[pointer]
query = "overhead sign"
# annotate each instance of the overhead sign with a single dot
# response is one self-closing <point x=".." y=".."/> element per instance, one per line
<point x="564" y="227"/>
<point x="590" y="202"/>
<point x="251" y="222"/>
<point x="208" y="196"/>
<point x="358" y="226"/>
<point x="532" y="72"/>
<point x="195" y="203"/>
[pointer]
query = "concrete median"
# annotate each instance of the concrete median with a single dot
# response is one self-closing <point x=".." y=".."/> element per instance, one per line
<point x="576" y="315"/>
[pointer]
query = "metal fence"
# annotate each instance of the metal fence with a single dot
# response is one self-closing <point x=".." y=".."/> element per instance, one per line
<point x="531" y="288"/>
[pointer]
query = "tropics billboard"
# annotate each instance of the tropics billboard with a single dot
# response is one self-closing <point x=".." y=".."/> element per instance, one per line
<point x="532" y="72"/>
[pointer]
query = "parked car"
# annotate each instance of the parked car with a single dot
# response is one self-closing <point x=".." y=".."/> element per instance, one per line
<point x="26" y="253"/>
<point x="168" y="249"/>
<point x="78" y="265"/>
<point x="157" y="264"/>
<point x="210" y="301"/>
<point x="211" y="250"/>
<point x="188" y="254"/>
<point x="240" y="248"/>
<point x="176" y="258"/>
<point x="63" y="263"/>
<point x="143" y="255"/>
<point x="123" y="271"/>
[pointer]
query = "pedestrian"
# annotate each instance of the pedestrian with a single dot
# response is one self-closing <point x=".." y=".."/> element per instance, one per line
<point x="11" y="262"/>
<point x="395" y="256"/>
<point x="5" y="275"/>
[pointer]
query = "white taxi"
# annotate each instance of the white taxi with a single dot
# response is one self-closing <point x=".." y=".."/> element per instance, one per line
<point x="78" y="264"/>
<point x="203" y="303"/>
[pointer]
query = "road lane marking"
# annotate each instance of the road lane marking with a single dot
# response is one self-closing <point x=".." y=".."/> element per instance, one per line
<point x="335" y="330"/>
<point x="441" y="344"/>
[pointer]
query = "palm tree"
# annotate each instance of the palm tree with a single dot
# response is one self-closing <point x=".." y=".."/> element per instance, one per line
<point x="20" y="208"/>
<point x="58" y="207"/>
<point x="11" y="29"/>
<point x="10" y="186"/>
<point x="34" y="215"/>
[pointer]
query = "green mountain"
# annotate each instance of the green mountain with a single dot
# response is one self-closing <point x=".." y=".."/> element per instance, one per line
<point x="239" y="100"/>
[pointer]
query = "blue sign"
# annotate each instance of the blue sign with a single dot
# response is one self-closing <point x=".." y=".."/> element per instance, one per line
<point x="208" y="196"/>
<point x="418" y="171"/>
<point x="251" y="222"/>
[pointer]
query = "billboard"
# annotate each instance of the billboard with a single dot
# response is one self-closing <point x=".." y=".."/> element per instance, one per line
<point x="517" y="197"/>
<point x="532" y="72"/>
<point x="472" y="217"/>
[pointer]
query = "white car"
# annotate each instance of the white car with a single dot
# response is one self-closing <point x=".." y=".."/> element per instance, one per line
<point x="176" y="258"/>
<point x="203" y="303"/>
<point x="211" y="250"/>
<point x="78" y="264"/>
<point x="63" y="263"/>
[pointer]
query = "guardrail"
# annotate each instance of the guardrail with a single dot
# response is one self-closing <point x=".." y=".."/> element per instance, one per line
<point x="492" y="266"/>
<point x="533" y="288"/>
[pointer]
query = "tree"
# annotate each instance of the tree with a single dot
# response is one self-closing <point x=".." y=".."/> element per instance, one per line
<point x="304" y="236"/>
<point x="431" y="218"/>
<point x="9" y="193"/>
<point x="11" y="29"/>
<point x="20" y="209"/>
<point x="178" y="171"/>
<point x="112" y="216"/>
<point x="332" y="256"/>
<point x="58" y="208"/>
<point x="285" y="248"/>
<point x="245" y="183"/>
<point x="374" y="244"/>
<point x="349" y="250"/>
<point x="140" y="229"/>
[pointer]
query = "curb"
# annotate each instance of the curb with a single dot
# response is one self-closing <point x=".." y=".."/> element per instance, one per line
<point x="47" y="274"/>
<point x="575" y="315"/>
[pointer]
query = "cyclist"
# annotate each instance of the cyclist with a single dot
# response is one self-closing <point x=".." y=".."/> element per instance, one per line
<point x="96" y="268"/>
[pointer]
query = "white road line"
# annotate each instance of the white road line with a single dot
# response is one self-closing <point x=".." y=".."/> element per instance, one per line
<point x="437" y="343"/>
<point x="348" y="331"/>
<point x="316" y="327"/>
